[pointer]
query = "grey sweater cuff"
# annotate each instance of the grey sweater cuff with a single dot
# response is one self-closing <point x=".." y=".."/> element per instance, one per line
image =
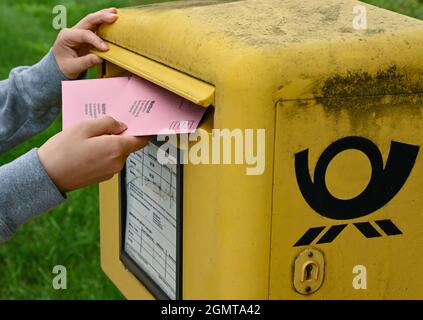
<point x="29" y="192"/>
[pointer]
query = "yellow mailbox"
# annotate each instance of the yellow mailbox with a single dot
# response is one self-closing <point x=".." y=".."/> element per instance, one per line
<point x="337" y="211"/>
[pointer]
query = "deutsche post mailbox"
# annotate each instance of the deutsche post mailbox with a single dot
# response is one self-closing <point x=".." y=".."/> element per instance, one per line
<point x="337" y="211"/>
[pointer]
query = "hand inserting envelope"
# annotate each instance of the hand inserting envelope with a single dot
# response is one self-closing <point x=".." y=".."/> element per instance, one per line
<point x="144" y="107"/>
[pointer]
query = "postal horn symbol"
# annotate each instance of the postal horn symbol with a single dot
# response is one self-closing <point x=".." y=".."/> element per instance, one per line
<point x="384" y="184"/>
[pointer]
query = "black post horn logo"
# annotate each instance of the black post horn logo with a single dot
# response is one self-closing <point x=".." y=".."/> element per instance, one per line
<point x="384" y="184"/>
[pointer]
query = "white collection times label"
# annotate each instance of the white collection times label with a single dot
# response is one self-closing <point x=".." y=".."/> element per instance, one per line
<point x="151" y="219"/>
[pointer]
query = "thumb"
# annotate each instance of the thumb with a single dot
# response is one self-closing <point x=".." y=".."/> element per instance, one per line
<point x="131" y="144"/>
<point x="102" y="126"/>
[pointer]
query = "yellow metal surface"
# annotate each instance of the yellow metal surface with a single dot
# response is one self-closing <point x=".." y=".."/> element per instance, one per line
<point x="300" y="71"/>
<point x="391" y="261"/>
<point x="291" y="46"/>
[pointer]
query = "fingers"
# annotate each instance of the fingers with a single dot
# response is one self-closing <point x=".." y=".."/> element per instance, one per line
<point x="93" y="20"/>
<point x="101" y="126"/>
<point x="72" y="45"/>
<point x="79" y="36"/>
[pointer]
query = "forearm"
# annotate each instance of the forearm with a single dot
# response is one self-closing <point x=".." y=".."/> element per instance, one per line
<point x="25" y="191"/>
<point x="29" y="101"/>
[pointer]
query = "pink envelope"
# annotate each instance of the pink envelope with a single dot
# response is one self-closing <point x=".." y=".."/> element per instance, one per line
<point x="89" y="99"/>
<point x="148" y="109"/>
<point x="144" y="107"/>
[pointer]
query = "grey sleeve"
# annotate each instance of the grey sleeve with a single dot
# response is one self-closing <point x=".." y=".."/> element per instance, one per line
<point x="29" y="102"/>
<point x="26" y="191"/>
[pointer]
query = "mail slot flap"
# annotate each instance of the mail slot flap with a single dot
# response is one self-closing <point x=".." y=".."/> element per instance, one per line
<point x="195" y="90"/>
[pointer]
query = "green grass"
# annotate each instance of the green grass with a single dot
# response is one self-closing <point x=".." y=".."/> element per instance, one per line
<point x="413" y="8"/>
<point x="68" y="235"/>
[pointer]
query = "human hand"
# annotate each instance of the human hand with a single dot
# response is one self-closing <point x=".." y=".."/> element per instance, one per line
<point x="90" y="152"/>
<point x="72" y="46"/>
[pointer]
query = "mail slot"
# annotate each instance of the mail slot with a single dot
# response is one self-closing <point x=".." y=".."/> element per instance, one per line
<point x="336" y="212"/>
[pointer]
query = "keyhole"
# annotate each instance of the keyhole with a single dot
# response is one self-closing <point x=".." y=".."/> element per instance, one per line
<point x="308" y="272"/>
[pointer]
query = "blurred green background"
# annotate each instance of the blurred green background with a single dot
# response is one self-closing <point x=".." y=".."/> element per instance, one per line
<point x="68" y="235"/>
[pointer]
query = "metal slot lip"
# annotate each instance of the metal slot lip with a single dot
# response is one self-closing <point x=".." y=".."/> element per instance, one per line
<point x="193" y="89"/>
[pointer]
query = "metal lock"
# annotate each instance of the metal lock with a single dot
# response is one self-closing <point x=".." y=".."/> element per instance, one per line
<point x="309" y="269"/>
